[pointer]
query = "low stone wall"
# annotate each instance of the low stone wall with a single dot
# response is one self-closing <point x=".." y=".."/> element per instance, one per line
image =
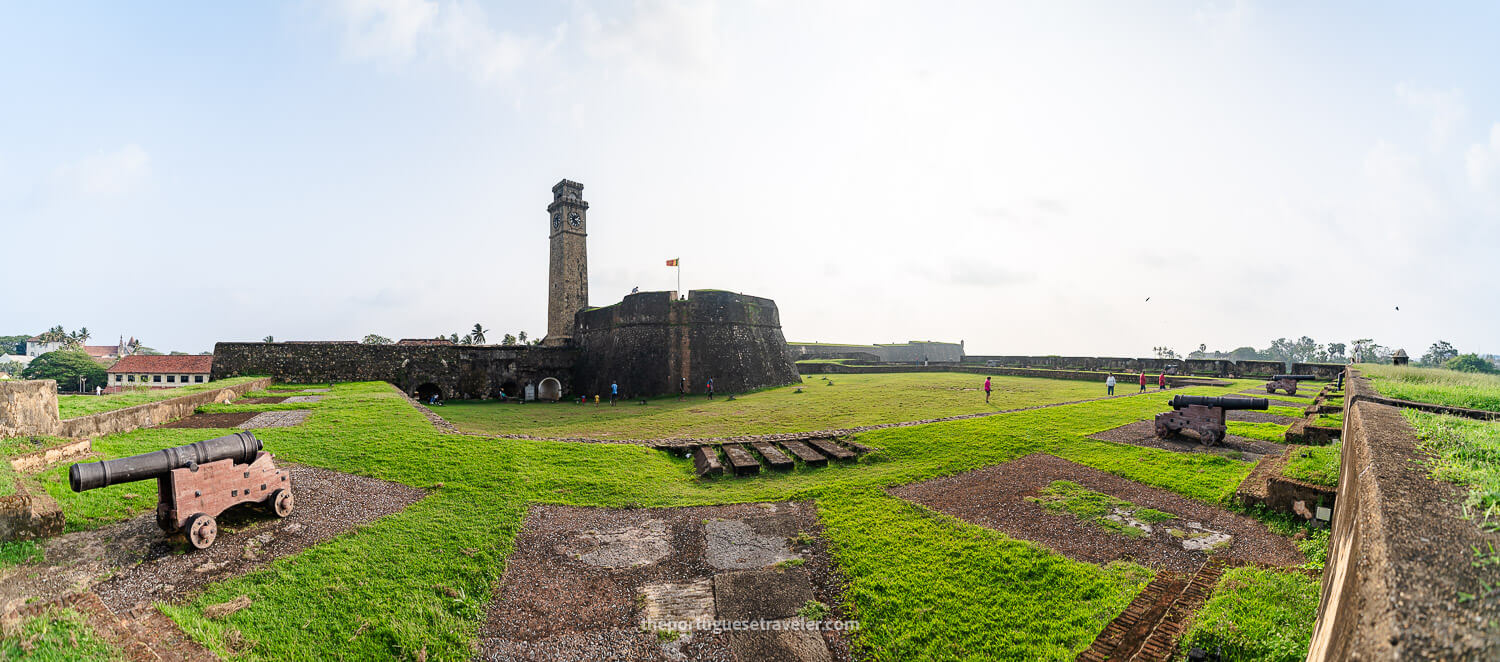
<point x="29" y="514"/>
<point x="1400" y="557"/>
<point x="152" y="413"/>
<point x="1266" y="486"/>
<point x="28" y="408"/>
<point x="34" y="462"/>
<point x="1322" y="372"/>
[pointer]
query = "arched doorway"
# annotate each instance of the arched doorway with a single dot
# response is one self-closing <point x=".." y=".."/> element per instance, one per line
<point x="425" y="392"/>
<point x="509" y="390"/>
<point x="549" y="389"/>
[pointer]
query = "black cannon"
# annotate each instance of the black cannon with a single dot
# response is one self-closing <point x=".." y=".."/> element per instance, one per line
<point x="1286" y="383"/>
<point x="1203" y="416"/>
<point x="197" y="482"/>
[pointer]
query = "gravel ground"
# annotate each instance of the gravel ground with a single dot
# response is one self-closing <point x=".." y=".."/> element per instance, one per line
<point x="1143" y="433"/>
<point x="258" y="401"/>
<point x="995" y="497"/>
<point x="277" y="419"/>
<point x="303" y="398"/>
<point x="574" y="587"/>
<point x="134" y="564"/>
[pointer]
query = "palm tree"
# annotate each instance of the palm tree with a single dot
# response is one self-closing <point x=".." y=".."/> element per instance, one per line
<point x="54" y="334"/>
<point x="478" y="334"/>
<point x="269" y="339"/>
<point x="522" y="337"/>
<point x="82" y="335"/>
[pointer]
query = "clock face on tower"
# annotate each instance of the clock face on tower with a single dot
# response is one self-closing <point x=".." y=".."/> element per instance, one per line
<point x="574" y="219"/>
<point x="557" y="221"/>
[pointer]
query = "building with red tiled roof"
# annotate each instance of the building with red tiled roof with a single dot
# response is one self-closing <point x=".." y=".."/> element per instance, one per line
<point x="158" y="371"/>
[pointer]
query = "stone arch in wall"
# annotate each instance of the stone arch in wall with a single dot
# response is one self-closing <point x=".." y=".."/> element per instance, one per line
<point x="549" y="389"/>
<point x="425" y="392"/>
<point x="510" y="389"/>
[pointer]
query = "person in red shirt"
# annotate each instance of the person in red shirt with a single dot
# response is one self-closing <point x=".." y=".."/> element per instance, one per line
<point x="1143" y="382"/>
<point x="1161" y="382"/>
<point x="986" y="390"/>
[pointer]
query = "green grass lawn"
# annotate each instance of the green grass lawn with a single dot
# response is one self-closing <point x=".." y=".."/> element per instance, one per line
<point x="924" y="585"/>
<point x="74" y="406"/>
<point x="1273" y="432"/>
<point x="55" y="635"/>
<point x="1095" y="507"/>
<point x="1435" y="385"/>
<point x="1256" y="614"/>
<point x="850" y="401"/>
<point x="1282" y="410"/>
<point x="1463" y="451"/>
<point x="1318" y="465"/>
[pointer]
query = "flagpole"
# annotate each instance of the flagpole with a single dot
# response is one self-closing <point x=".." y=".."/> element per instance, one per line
<point x="679" y="277"/>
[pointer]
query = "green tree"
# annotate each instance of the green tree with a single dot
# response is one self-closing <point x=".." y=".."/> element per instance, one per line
<point x="268" y="339"/>
<point x="12" y="368"/>
<point x="375" y="339"/>
<point x="13" y="344"/>
<point x="1439" y="354"/>
<point x="1245" y="354"/>
<point x="478" y="333"/>
<point x="521" y="337"/>
<point x="66" y="366"/>
<point x="1471" y="363"/>
<point x="54" y="334"/>
<point x="1164" y="352"/>
<point x="1336" y="352"/>
<point x="508" y="340"/>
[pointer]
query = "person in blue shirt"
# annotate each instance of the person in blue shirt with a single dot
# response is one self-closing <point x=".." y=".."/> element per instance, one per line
<point x="614" y="392"/>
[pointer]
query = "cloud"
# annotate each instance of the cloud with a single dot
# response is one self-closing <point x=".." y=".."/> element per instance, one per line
<point x="1446" y="110"/>
<point x="659" y="39"/>
<point x="1483" y="161"/>
<point x="455" y="33"/>
<point x="982" y="273"/>
<point x="104" y="174"/>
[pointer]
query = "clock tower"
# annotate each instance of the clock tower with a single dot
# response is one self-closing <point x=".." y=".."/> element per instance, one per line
<point x="568" y="269"/>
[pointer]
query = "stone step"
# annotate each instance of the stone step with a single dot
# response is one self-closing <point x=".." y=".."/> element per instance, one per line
<point x="774" y="457"/>
<point x="740" y="460"/>
<point x="706" y="461"/>
<point x="831" y="448"/>
<point x="808" y="456"/>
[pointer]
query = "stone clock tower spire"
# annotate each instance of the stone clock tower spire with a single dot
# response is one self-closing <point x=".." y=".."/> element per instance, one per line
<point x="568" y="270"/>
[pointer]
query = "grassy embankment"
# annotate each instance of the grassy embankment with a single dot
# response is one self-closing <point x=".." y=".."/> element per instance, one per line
<point x="1318" y="465"/>
<point x="1256" y="614"/>
<point x="850" y="400"/>
<point x="1435" y="385"/>
<point x="74" y="406"/>
<point x="923" y="584"/>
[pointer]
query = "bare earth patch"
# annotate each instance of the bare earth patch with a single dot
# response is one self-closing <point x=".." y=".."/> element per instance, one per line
<point x="620" y="584"/>
<point x="133" y="564"/>
<point x="1143" y="433"/>
<point x="243" y="420"/>
<point x="996" y="497"/>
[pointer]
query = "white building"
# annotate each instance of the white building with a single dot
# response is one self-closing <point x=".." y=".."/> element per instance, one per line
<point x="158" y="371"/>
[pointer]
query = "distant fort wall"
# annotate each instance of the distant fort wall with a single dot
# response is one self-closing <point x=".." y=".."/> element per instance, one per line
<point x="456" y="371"/>
<point x="916" y="351"/>
<point x="1202" y="367"/>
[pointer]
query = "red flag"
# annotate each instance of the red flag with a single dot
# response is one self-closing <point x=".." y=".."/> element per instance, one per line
<point x="672" y="262"/>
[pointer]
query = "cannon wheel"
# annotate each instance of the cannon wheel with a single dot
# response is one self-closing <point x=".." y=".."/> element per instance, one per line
<point x="1270" y="388"/>
<point x="281" y="502"/>
<point x="1209" y="436"/>
<point x="201" y="530"/>
<point x="1292" y="390"/>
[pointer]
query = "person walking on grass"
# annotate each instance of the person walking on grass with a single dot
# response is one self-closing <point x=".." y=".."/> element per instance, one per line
<point x="614" y="392"/>
<point x="682" y="389"/>
<point x="710" y="388"/>
<point x="1110" y="383"/>
<point x="1161" y="382"/>
<point x="986" y="390"/>
<point x="1143" y="382"/>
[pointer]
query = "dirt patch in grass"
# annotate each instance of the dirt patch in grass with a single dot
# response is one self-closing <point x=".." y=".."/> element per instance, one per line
<point x="997" y="497"/>
<point x="259" y="401"/>
<point x="134" y="564"/>
<point x="1143" y="433"/>
<point x="229" y="420"/>
<point x="599" y="583"/>
<point x="243" y="420"/>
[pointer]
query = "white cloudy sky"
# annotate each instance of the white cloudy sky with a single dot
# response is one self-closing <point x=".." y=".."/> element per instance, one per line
<point x="1018" y="175"/>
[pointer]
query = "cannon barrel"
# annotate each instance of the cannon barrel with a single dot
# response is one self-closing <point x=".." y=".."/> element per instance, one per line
<point x="1183" y="401"/>
<point x="1295" y="378"/>
<point x="242" y="447"/>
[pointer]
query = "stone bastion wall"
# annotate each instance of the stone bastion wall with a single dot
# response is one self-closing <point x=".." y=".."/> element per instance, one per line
<point x="457" y="371"/>
<point x="651" y="341"/>
<point x="1204" y="367"/>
